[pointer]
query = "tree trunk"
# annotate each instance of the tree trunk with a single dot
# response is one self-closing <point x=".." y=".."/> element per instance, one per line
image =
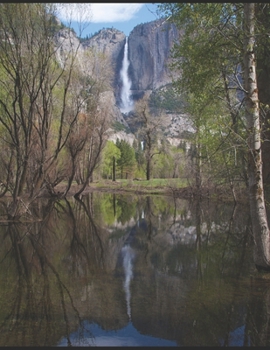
<point x="256" y="192"/>
<point x="198" y="162"/>
<point x="113" y="174"/>
<point x="148" y="168"/>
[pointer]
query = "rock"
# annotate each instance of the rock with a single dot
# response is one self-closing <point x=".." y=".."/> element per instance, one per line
<point x="122" y="135"/>
<point x="150" y="46"/>
<point x="108" y="41"/>
<point x="66" y="42"/>
<point x="107" y="102"/>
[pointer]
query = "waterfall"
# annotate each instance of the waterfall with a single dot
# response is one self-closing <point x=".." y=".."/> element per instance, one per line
<point x="127" y="103"/>
<point x="128" y="256"/>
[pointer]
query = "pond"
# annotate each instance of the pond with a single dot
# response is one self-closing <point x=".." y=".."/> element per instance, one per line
<point x="119" y="270"/>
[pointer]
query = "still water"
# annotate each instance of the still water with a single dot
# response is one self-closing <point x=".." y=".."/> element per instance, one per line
<point x="117" y="270"/>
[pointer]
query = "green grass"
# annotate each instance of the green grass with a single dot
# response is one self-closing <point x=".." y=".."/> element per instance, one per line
<point x="156" y="182"/>
<point x="153" y="185"/>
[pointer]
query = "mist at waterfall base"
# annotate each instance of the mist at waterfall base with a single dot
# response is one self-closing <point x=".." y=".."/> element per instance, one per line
<point x="126" y="101"/>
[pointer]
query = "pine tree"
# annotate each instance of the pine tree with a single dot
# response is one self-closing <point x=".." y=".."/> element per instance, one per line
<point x="127" y="160"/>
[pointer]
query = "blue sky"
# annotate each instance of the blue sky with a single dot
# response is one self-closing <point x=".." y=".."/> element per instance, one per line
<point x="95" y="16"/>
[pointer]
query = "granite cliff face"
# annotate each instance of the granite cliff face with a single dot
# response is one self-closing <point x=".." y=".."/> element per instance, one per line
<point x="150" y="46"/>
<point x="108" y="41"/>
<point x="149" y="50"/>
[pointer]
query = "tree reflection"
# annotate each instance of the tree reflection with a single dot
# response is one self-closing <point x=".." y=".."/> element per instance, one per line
<point x="190" y="273"/>
<point x="258" y="311"/>
<point x="208" y="271"/>
<point x="93" y="230"/>
<point x="198" y="240"/>
<point x="77" y="252"/>
<point x="38" y="302"/>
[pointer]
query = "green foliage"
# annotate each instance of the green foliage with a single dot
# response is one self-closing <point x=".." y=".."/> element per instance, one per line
<point x="127" y="160"/>
<point x="139" y="172"/>
<point x="128" y="208"/>
<point x="110" y="152"/>
<point x="160" y="207"/>
<point x="170" y="164"/>
<point x="208" y="55"/>
<point x="168" y="99"/>
<point x="117" y="126"/>
<point x="110" y="208"/>
<point x="162" y="166"/>
<point x="47" y="104"/>
<point x="107" y="209"/>
<point x="140" y="159"/>
<point x="209" y="47"/>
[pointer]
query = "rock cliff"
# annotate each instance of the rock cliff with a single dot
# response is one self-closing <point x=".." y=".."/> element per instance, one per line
<point x="108" y="41"/>
<point x="150" y="46"/>
<point x="149" y="50"/>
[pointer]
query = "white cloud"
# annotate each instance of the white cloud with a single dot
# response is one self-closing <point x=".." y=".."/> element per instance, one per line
<point x="98" y="13"/>
<point x="103" y="13"/>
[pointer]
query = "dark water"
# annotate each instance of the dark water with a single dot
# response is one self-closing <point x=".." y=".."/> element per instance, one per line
<point x="131" y="271"/>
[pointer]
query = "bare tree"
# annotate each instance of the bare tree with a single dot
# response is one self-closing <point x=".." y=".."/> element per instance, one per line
<point x="40" y="97"/>
<point x="149" y="126"/>
<point x="97" y="129"/>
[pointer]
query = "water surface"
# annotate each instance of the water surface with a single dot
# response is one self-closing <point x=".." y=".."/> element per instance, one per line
<point x="116" y="270"/>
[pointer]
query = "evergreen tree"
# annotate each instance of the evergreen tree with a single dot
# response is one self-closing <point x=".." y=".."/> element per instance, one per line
<point x="127" y="160"/>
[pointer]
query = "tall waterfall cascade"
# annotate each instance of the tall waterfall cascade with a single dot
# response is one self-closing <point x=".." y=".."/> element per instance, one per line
<point x="127" y="103"/>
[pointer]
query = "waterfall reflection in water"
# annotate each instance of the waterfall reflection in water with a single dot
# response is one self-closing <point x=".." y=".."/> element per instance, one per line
<point x="128" y="256"/>
<point x="138" y="272"/>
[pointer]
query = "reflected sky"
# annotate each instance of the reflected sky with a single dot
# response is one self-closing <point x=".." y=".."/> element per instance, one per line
<point x="236" y="337"/>
<point x="127" y="336"/>
<point x="180" y="276"/>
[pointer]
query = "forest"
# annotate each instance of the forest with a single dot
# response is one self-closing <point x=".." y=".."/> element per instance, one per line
<point x="54" y="126"/>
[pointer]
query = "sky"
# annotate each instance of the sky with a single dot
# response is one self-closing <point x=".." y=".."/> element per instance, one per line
<point x="121" y="16"/>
